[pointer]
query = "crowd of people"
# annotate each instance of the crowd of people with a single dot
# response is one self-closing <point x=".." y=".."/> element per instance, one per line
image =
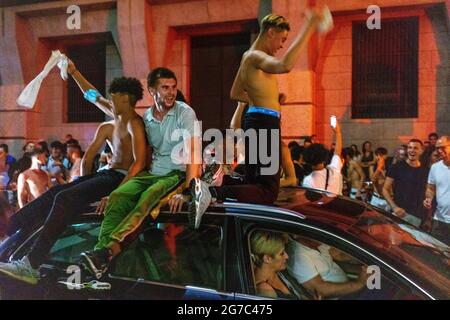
<point x="39" y="168"/>
<point x="413" y="183"/>
<point x="53" y="187"/>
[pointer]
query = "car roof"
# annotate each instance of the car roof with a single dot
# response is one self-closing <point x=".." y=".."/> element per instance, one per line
<point x="310" y="204"/>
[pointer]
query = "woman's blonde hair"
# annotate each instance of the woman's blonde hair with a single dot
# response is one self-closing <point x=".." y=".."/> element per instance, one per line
<point x="274" y="21"/>
<point x="266" y="243"/>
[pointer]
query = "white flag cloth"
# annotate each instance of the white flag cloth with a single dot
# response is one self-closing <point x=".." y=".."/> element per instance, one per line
<point x="327" y="21"/>
<point x="28" y="96"/>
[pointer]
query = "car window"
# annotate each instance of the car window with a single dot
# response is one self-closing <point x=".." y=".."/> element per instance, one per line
<point x="75" y="239"/>
<point x="267" y="251"/>
<point x="173" y="253"/>
<point x="309" y="260"/>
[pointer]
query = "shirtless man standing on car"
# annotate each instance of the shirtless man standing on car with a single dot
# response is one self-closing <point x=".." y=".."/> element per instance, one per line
<point x="256" y="84"/>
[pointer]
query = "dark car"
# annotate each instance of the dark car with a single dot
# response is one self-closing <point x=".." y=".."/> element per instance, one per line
<point x="168" y="260"/>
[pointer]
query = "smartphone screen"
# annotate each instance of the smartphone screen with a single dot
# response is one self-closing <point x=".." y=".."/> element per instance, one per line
<point x="333" y="121"/>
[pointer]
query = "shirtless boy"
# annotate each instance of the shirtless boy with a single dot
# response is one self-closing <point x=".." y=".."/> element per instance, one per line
<point x="57" y="207"/>
<point x="354" y="175"/>
<point x="256" y="84"/>
<point x="32" y="183"/>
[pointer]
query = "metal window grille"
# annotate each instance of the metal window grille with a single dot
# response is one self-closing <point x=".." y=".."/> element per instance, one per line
<point x="385" y="69"/>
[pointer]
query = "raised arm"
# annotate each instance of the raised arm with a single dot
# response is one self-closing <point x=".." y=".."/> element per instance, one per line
<point x="270" y="64"/>
<point x="94" y="147"/>
<point x="103" y="104"/>
<point x="338" y="147"/>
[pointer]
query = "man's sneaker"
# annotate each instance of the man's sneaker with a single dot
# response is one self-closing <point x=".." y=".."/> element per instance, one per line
<point x="97" y="261"/>
<point x="201" y="199"/>
<point x="21" y="270"/>
<point x="213" y="174"/>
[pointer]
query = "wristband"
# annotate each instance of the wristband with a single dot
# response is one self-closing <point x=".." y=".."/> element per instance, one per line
<point x="91" y="95"/>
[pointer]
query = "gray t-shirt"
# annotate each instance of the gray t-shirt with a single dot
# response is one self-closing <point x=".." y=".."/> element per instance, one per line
<point x="170" y="138"/>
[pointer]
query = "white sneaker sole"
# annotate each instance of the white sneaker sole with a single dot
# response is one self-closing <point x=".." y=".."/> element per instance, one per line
<point x="195" y="214"/>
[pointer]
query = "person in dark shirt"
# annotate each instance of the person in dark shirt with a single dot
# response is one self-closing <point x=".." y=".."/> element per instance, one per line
<point x="302" y="169"/>
<point x="405" y="185"/>
<point x="429" y="149"/>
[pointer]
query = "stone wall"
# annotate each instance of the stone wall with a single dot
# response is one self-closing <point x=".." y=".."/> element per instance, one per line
<point x="334" y="84"/>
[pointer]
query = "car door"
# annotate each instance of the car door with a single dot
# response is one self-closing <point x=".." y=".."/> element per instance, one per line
<point x="60" y="273"/>
<point x="167" y="260"/>
<point x="170" y="260"/>
<point x="392" y="283"/>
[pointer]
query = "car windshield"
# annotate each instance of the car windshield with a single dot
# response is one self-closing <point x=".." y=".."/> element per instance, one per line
<point x="427" y="256"/>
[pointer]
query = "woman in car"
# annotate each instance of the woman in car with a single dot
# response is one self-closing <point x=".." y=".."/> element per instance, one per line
<point x="269" y="257"/>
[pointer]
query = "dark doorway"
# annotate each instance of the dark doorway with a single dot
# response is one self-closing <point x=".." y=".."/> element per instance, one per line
<point x="91" y="61"/>
<point x="214" y="63"/>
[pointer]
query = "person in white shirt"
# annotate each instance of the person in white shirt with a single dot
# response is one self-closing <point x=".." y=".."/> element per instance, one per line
<point x="328" y="178"/>
<point x="74" y="153"/>
<point x="313" y="265"/>
<point x="439" y="185"/>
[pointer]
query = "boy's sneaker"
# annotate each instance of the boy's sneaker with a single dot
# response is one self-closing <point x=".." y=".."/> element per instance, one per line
<point x="213" y="174"/>
<point x="97" y="261"/>
<point x="20" y="270"/>
<point x="201" y="199"/>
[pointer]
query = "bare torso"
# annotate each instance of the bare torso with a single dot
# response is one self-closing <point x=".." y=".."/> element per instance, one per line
<point x="37" y="181"/>
<point x="261" y="87"/>
<point x="353" y="175"/>
<point x="119" y="139"/>
<point x="378" y="183"/>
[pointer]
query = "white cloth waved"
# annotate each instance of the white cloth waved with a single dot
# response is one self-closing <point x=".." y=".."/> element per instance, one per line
<point x="28" y="96"/>
<point x="326" y="24"/>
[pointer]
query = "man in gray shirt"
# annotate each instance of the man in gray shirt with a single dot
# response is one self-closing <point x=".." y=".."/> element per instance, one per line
<point x="171" y="166"/>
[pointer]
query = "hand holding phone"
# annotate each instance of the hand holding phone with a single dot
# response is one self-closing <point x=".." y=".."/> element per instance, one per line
<point x="333" y="122"/>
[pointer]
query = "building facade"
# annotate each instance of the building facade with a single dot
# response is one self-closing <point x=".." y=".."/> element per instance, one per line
<point x="203" y="40"/>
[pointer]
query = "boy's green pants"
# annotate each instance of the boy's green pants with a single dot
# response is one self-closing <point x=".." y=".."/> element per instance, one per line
<point x="130" y="204"/>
